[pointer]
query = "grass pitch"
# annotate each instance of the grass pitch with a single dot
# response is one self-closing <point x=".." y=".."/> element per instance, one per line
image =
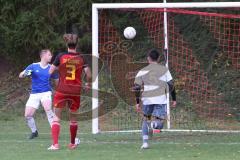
<point x="164" y="146"/>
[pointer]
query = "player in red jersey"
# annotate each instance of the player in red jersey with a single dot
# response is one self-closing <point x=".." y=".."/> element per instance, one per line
<point x="70" y="66"/>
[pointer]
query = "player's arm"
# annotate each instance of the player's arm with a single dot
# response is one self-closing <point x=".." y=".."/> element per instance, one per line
<point x="168" y="78"/>
<point x="56" y="82"/>
<point x="172" y="91"/>
<point x="137" y="90"/>
<point x="26" y="72"/>
<point x="171" y="87"/>
<point x="54" y="66"/>
<point x="52" y="69"/>
<point x="55" y="79"/>
<point x="88" y="73"/>
<point x="138" y="82"/>
<point x="21" y="75"/>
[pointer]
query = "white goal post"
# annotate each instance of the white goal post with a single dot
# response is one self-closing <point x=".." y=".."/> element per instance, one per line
<point x="95" y="33"/>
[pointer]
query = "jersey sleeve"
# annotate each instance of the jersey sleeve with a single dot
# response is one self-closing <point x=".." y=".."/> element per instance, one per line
<point x="56" y="61"/>
<point x="166" y="77"/>
<point x="138" y="78"/>
<point x="29" y="67"/>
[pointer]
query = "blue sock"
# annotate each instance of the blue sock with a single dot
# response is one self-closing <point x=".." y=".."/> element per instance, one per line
<point x="145" y="131"/>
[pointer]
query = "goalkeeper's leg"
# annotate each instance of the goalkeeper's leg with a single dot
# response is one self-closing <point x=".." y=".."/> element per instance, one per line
<point x="157" y="123"/>
<point x="29" y="113"/>
<point x="159" y="114"/>
<point x="146" y="132"/>
<point x="31" y="107"/>
<point x="47" y="105"/>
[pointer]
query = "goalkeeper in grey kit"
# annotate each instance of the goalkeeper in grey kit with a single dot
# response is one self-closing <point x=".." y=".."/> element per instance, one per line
<point x="151" y="85"/>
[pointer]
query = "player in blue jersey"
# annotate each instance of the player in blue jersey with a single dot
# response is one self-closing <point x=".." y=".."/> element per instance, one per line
<point x="41" y="90"/>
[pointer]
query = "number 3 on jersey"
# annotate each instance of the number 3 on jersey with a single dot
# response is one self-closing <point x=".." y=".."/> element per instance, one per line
<point x="71" y="71"/>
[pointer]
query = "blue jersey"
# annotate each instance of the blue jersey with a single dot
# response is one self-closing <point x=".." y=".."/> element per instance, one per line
<point x="40" y="78"/>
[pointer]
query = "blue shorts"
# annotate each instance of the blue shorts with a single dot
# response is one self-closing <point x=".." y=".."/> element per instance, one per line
<point x="156" y="110"/>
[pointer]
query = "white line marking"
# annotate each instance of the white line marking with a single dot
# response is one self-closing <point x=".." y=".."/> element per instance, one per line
<point x="119" y="142"/>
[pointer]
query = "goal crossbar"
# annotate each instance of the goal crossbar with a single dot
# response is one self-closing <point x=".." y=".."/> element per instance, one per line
<point x="166" y="5"/>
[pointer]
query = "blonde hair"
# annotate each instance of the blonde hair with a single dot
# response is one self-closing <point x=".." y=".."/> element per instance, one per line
<point x="43" y="52"/>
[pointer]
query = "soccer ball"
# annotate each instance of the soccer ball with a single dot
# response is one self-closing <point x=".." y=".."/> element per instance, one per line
<point x="77" y="141"/>
<point x="129" y="33"/>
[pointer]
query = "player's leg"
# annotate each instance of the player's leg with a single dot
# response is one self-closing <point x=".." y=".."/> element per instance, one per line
<point x="59" y="104"/>
<point x="31" y="107"/>
<point x="73" y="124"/>
<point x="159" y="115"/>
<point x="55" y="130"/>
<point x="29" y="113"/>
<point x="147" y="112"/>
<point x="157" y="123"/>
<point x="47" y="105"/>
<point x="73" y="128"/>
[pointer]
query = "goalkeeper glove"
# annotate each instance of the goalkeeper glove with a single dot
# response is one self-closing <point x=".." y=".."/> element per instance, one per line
<point x="27" y="73"/>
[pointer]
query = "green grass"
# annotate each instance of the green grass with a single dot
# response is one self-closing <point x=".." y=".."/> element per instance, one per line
<point x="164" y="146"/>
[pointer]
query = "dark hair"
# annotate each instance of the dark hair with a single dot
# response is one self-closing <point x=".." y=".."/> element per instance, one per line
<point x="153" y="54"/>
<point x="71" y="40"/>
<point x="72" y="45"/>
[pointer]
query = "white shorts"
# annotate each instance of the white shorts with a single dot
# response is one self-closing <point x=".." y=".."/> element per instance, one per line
<point x="35" y="99"/>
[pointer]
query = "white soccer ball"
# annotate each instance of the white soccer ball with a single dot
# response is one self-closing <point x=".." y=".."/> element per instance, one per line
<point x="77" y="141"/>
<point x="129" y="33"/>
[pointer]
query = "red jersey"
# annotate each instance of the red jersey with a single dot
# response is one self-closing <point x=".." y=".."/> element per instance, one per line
<point x="71" y="66"/>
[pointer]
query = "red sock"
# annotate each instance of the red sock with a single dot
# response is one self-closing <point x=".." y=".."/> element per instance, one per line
<point x="73" y="131"/>
<point x="55" y="132"/>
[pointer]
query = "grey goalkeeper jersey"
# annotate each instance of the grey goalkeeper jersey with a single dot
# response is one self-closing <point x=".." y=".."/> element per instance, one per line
<point x="154" y="78"/>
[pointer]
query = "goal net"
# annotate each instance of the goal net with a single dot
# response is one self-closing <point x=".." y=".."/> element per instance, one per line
<point x="203" y="55"/>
